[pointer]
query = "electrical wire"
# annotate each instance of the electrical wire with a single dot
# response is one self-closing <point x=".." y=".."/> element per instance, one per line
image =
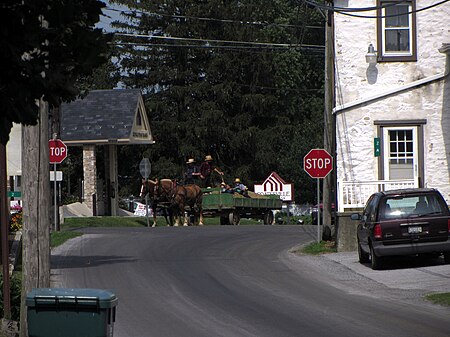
<point x="248" y="43"/>
<point x="229" y="47"/>
<point x="347" y="11"/>
<point x="353" y="9"/>
<point x="212" y="19"/>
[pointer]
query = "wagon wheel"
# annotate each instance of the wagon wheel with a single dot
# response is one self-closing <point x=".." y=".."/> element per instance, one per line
<point x="268" y="218"/>
<point x="224" y="221"/>
<point x="234" y="218"/>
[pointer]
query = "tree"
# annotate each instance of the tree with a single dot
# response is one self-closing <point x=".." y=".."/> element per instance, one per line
<point x="47" y="45"/>
<point x="245" y="99"/>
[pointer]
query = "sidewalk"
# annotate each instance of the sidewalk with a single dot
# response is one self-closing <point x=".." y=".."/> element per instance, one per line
<point x="432" y="275"/>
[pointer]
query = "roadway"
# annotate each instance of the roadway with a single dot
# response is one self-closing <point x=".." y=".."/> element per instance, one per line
<point x="244" y="281"/>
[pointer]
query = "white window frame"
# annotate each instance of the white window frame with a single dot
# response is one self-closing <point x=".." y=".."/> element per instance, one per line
<point x="410" y="34"/>
<point x="386" y="150"/>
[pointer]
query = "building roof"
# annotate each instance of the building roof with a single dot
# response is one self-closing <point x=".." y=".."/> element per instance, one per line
<point x="106" y="116"/>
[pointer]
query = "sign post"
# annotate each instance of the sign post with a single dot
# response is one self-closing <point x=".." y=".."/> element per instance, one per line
<point x="318" y="163"/>
<point x="145" y="168"/>
<point x="57" y="153"/>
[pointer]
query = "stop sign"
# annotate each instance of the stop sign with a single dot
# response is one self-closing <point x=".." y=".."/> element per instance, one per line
<point x="57" y="151"/>
<point x="318" y="163"/>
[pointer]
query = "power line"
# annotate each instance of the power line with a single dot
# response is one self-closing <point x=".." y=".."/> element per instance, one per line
<point x="230" y="47"/>
<point x="347" y="11"/>
<point x="208" y="41"/>
<point x="353" y="9"/>
<point x="213" y="19"/>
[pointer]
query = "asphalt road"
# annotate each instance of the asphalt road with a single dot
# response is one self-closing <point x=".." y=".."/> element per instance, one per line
<point x="244" y="281"/>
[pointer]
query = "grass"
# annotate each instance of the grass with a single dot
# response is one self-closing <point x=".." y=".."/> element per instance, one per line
<point x="106" y="221"/>
<point x="68" y="229"/>
<point x="316" y="248"/>
<point x="117" y="221"/>
<point x="58" y="238"/>
<point x="440" y="298"/>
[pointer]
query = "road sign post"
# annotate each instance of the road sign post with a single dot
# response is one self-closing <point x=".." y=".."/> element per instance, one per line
<point x="145" y="168"/>
<point x="318" y="163"/>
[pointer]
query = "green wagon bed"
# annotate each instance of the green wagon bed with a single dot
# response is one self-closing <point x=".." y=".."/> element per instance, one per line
<point x="232" y="207"/>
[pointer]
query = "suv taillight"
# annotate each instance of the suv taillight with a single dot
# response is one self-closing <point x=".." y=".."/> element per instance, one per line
<point x="377" y="233"/>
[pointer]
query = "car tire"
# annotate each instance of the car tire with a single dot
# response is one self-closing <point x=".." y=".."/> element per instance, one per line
<point x="447" y="258"/>
<point x="363" y="256"/>
<point x="375" y="261"/>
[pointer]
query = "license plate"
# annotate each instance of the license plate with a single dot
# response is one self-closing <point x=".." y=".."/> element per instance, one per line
<point x="414" y="229"/>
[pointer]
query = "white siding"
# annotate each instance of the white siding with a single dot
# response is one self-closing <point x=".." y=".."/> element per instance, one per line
<point x="355" y="126"/>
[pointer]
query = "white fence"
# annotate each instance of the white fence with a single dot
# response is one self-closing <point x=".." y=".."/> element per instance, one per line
<point x="354" y="194"/>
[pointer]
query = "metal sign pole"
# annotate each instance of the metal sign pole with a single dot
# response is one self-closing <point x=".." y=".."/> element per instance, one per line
<point x="318" y="210"/>
<point x="145" y="168"/>
<point x="54" y="199"/>
<point x="146" y="210"/>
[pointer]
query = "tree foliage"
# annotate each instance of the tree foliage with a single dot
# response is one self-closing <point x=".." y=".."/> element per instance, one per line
<point x="47" y="45"/>
<point x="244" y="84"/>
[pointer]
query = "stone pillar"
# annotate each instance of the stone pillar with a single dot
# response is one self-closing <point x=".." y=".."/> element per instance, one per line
<point x="113" y="175"/>
<point x="90" y="174"/>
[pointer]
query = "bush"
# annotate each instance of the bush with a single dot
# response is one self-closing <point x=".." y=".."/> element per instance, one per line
<point x="15" y="293"/>
<point x="70" y="199"/>
<point x="16" y="221"/>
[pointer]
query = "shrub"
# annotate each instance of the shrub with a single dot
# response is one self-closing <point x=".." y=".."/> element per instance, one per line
<point x="70" y="199"/>
<point x="15" y="293"/>
<point x="16" y="221"/>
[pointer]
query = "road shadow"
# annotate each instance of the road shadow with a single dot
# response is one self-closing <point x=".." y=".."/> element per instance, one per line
<point x="410" y="262"/>
<point x="65" y="261"/>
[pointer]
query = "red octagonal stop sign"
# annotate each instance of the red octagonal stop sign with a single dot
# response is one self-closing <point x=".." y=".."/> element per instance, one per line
<point x="318" y="163"/>
<point x="57" y="151"/>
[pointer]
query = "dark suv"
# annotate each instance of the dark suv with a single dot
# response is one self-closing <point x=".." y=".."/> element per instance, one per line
<point x="403" y="222"/>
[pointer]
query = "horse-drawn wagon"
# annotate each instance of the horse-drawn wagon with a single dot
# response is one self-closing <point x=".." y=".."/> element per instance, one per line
<point x="178" y="200"/>
<point x="231" y="207"/>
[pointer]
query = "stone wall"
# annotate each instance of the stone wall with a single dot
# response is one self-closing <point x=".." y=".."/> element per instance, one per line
<point x="346" y="233"/>
<point x="356" y="128"/>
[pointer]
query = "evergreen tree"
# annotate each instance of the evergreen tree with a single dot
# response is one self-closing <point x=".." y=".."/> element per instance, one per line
<point x="46" y="47"/>
<point x="232" y="79"/>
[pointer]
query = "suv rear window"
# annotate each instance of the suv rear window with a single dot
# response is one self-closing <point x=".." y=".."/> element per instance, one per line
<point x="407" y="206"/>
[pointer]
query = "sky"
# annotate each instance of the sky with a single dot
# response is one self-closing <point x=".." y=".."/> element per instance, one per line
<point x="109" y="16"/>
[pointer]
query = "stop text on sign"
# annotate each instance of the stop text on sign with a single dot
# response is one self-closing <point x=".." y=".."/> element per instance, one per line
<point x="57" y="151"/>
<point x="317" y="163"/>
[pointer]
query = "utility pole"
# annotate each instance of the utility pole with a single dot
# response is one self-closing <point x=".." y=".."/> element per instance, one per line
<point x="329" y="183"/>
<point x="36" y="209"/>
<point x="4" y="224"/>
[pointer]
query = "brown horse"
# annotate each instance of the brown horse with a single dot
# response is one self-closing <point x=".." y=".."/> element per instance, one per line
<point x="175" y="197"/>
<point x="188" y="195"/>
<point x="160" y="192"/>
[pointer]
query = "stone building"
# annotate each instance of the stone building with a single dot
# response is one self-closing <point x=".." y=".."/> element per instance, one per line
<point x="392" y="97"/>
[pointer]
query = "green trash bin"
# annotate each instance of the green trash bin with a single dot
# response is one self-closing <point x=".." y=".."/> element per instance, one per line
<point x="60" y="312"/>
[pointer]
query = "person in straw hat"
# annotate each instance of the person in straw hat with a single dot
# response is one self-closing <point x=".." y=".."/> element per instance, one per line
<point x="191" y="174"/>
<point x="207" y="168"/>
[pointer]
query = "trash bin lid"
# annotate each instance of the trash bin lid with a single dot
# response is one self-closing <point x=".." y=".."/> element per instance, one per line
<point x="50" y="297"/>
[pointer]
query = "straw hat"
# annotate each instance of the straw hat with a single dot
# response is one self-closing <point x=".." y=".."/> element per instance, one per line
<point x="190" y="161"/>
<point x="237" y="180"/>
<point x="208" y="158"/>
